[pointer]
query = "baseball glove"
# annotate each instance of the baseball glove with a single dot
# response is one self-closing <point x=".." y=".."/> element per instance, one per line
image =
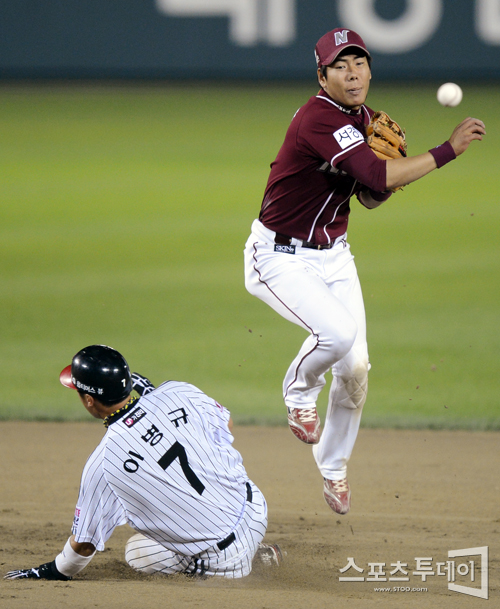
<point x="385" y="137"/>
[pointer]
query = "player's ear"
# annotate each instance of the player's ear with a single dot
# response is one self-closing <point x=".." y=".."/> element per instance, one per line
<point x="86" y="399"/>
<point x="321" y="78"/>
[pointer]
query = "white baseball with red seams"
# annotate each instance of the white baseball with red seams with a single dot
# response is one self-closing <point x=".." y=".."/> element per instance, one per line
<point x="449" y="95"/>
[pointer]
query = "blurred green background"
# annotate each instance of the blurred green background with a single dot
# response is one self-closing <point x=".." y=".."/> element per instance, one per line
<point x="124" y="214"/>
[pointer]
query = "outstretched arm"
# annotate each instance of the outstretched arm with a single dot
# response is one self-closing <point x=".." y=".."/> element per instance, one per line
<point x="406" y="170"/>
<point x="74" y="557"/>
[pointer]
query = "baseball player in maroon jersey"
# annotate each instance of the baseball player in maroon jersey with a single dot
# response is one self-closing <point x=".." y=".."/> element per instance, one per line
<point x="298" y="260"/>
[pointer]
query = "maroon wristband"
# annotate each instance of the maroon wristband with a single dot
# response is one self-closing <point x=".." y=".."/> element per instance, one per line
<point x="443" y="154"/>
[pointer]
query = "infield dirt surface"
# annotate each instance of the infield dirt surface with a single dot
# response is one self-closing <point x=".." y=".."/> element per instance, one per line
<point x="415" y="494"/>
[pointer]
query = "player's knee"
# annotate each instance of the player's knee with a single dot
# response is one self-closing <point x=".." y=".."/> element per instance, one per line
<point x="138" y="555"/>
<point x="355" y="385"/>
<point x="339" y="338"/>
<point x="344" y="344"/>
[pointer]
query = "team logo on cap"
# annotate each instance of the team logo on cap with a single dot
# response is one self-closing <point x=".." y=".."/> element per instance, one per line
<point x="341" y="37"/>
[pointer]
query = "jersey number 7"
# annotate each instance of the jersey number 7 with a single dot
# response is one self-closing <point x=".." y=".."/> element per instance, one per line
<point x="177" y="451"/>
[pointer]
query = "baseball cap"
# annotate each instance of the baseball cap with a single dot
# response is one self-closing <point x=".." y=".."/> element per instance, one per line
<point x="333" y="43"/>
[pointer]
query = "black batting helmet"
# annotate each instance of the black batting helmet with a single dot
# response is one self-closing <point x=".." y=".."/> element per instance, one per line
<point x="101" y="372"/>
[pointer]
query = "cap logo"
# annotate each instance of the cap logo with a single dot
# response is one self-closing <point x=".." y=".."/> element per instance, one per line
<point x="341" y="37"/>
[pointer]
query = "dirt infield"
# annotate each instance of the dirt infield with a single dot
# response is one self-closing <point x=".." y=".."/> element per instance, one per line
<point x="416" y="494"/>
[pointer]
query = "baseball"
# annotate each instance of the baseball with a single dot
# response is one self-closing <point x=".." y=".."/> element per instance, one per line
<point x="449" y="95"/>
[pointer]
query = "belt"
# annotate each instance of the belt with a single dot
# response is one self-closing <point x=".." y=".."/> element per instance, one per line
<point x="225" y="543"/>
<point x="284" y="240"/>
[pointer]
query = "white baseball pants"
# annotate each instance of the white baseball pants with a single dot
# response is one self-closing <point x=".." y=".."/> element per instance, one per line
<point x="234" y="561"/>
<point x="319" y="290"/>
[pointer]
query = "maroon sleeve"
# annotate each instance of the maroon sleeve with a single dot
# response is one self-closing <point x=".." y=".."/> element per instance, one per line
<point x="325" y="132"/>
<point x="364" y="165"/>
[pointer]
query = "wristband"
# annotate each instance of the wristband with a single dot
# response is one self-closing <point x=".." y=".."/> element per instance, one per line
<point x="443" y="154"/>
<point x="69" y="563"/>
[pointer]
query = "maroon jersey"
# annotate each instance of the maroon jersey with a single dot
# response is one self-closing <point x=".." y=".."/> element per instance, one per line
<point x="324" y="161"/>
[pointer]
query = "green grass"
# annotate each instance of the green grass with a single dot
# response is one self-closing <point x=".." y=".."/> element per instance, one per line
<point x="123" y="219"/>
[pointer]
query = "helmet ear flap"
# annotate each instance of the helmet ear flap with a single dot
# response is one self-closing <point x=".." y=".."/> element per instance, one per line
<point x="100" y="371"/>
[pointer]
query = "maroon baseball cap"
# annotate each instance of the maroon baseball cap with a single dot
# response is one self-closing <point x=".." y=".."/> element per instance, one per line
<point x="333" y="43"/>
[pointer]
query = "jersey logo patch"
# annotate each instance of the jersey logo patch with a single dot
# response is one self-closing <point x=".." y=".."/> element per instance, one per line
<point x="134" y="416"/>
<point x="285" y="249"/>
<point x="347" y="136"/>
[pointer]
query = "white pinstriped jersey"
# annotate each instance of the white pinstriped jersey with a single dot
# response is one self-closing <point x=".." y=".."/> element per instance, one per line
<point x="166" y="467"/>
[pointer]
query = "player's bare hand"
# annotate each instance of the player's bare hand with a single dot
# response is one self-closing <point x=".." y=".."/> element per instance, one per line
<point x="469" y="129"/>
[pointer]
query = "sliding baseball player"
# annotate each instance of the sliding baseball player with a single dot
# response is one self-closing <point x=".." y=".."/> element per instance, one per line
<point x="166" y="467"/>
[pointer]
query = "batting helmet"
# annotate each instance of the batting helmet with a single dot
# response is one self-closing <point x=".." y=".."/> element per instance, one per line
<point x="101" y="372"/>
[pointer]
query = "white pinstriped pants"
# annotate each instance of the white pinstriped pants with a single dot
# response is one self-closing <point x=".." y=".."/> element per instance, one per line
<point x="318" y="290"/>
<point x="235" y="561"/>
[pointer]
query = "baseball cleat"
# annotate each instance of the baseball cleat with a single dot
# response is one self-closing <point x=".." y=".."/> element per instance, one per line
<point x="270" y="555"/>
<point x="338" y="495"/>
<point x="304" y="424"/>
